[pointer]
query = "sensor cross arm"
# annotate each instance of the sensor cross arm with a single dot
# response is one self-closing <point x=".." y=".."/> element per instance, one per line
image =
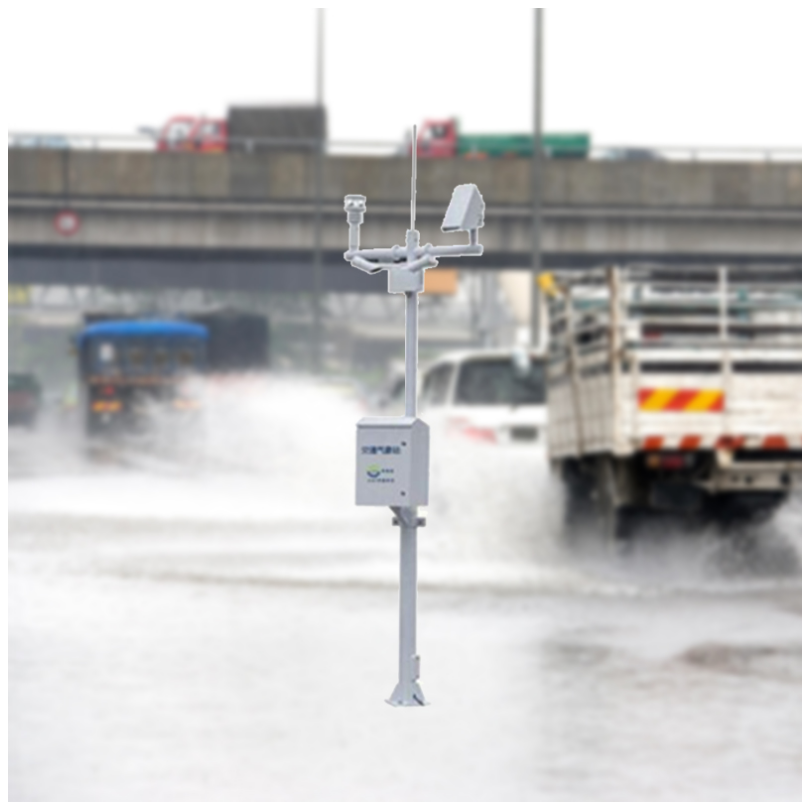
<point x="365" y="265"/>
<point x="397" y="254"/>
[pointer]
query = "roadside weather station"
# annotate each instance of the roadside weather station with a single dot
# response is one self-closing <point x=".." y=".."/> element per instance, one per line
<point x="393" y="453"/>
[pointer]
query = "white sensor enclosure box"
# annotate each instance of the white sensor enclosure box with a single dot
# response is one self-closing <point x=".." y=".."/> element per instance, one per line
<point x="393" y="459"/>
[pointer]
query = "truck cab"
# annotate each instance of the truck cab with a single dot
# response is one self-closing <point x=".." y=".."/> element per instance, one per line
<point x="437" y="139"/>
<point x="188" y="133"/>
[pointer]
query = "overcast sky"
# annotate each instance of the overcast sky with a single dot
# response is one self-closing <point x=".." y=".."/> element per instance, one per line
<point x="686" y="74"/>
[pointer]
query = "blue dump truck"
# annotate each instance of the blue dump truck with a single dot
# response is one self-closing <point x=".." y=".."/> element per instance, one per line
<point x="129" y="370"/>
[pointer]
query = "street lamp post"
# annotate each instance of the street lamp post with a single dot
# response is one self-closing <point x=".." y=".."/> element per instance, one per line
<point x="317" y="304"/>
<point x="537" y="178"/>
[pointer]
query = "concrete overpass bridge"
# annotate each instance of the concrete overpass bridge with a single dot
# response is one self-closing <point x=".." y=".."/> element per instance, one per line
<point x="241" y="221"/>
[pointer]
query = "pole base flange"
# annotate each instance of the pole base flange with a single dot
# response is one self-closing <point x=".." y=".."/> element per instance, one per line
<point x="409" y="694"/>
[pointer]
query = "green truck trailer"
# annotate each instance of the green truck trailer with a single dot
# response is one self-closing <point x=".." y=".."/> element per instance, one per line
<point x="443" y="139"/>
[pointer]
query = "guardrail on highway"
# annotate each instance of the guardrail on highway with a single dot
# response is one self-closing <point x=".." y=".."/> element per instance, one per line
<point x="736" y="154"/>
<point x="139" y="142"/>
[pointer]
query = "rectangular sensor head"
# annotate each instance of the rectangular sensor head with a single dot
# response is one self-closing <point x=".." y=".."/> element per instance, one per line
<point x="392" y="461"/>
<point x="466" y="210"/>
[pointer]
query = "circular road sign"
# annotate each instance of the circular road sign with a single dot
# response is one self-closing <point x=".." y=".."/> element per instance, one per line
<point x="67" y="222"/>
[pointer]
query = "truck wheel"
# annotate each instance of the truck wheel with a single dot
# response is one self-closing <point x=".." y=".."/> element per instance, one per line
<point x="579" y="514"/>
<point x="615" y="522"/>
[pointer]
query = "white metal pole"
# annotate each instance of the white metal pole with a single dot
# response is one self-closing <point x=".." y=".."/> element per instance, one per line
<point x="407" y="691"/>
<point x="411" y="332"/>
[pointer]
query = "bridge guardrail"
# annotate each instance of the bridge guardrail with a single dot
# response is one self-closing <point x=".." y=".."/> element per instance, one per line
<point x="628" y="153"/>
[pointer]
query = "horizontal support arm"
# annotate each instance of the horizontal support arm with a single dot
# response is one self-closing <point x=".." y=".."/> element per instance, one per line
<point x="363" y="264"/>
<point x="423" y="263"/>
<point x="400" y="254"/>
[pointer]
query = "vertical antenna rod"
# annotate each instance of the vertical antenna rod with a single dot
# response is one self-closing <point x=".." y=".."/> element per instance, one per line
<point x="411" y="298"/>
<point x="413" y="179"/>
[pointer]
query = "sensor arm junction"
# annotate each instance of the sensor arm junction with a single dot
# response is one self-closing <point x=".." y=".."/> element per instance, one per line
<point x="373" y="260"/>
<point x="412" y="258"/>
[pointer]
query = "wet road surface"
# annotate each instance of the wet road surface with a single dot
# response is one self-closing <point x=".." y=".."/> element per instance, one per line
<point x="219" y="622"/>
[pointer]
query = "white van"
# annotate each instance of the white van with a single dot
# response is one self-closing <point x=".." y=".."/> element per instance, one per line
<point x="491" y="395"/>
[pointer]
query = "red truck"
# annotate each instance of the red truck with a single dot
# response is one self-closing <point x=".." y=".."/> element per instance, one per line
<point x="251" y="129"/>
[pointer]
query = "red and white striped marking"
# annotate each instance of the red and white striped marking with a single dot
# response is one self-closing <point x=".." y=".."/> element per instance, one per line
<point x="695" y="442"/>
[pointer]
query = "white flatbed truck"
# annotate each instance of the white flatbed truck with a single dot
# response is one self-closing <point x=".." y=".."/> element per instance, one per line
<point x="675" y="391"/>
